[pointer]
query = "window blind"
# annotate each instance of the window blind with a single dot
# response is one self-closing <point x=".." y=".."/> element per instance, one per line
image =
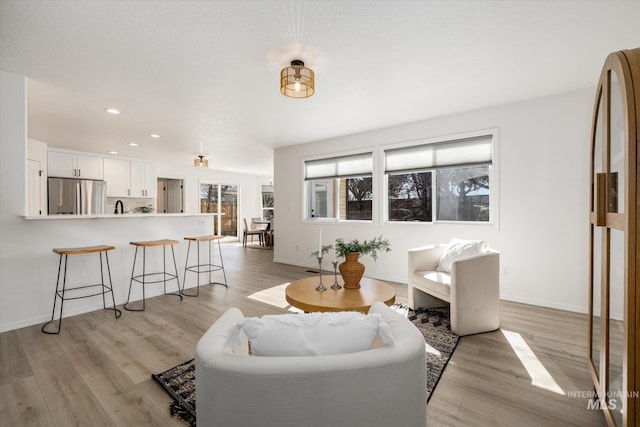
<point x="339" y="167"/>
<point x="455" y="153"/>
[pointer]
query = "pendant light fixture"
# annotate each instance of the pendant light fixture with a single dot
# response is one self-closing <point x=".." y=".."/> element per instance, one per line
<point x="201" y="162"/>
<point x="297" y="81"/>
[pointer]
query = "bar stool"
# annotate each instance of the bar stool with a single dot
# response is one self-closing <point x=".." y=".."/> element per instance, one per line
<point x="142" y="278"/>
<point x="81" y="291"/>
<point x="198" y="268"/>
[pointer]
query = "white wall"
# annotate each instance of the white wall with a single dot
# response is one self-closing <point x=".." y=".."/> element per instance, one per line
<point x="542" y="232"/>
<point x="28" y="267"/>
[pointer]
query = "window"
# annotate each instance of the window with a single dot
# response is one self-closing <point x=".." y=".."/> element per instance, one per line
<point x="442" y="181"/>
<point x="463" y="194"/>
<point x="409" y="196"/>
<point x="267" y="202"/>
<point x="340" y="187"/>
<point x="358" y="198"/>
<point x="222" y="200"/>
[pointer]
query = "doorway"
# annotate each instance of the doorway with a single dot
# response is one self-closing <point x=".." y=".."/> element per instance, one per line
<point x="222" y="201"/>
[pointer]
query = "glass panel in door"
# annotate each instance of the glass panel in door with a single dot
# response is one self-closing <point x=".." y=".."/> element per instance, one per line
<point x="615" y="179"/>
<point x="222" y="200"/>
<point x="616" y="321"/>
<point x="616" y="279"/>
<point x="229" y="210"/>
<point x="597" y="298"/>
<point x="596" y="249"/>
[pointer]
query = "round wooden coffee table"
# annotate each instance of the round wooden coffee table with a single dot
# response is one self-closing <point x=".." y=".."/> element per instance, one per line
<point x="302" y="294"/>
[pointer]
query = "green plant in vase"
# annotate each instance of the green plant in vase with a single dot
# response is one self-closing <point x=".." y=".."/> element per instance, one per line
<point x="351" y="269"/>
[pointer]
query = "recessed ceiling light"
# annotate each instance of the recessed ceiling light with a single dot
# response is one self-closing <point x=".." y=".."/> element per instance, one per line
<point x="113" y="152"/>
<point x="154" y="135"/>
<point x="133" y="144"/>
<point x="112" y="111"/>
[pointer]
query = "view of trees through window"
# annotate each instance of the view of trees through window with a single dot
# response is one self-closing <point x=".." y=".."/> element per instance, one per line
<point x="359" y="198"/>
<point x="267" y="202"/>
<point x="462" y="194"/>
<point x="410" y="197"/>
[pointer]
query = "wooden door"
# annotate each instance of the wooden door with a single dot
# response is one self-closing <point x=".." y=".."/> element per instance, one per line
<point x="613" y="238"/>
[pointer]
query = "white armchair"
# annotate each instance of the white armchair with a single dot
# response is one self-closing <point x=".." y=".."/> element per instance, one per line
<point x="382" y="386"/>
<point x="472" y="289"/>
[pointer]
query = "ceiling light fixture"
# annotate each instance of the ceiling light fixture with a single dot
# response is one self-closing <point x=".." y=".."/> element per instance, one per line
<point x="154" y="135"/>
<point x="133" y="144"/>
<point x="112" y="111"/>
<point x="297" y="81"/>
<point x="201" y="162"/>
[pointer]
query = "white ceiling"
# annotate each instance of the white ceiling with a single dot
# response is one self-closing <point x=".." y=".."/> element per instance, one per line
<point x="205" y="74"/>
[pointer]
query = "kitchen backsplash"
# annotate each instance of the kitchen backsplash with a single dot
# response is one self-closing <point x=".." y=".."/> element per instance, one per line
<point x="131" y="205"/>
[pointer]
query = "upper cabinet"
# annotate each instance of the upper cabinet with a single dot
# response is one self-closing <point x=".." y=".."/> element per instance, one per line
<point x="143" y="180"/>
<point x="129" y="178"/>
<point x="116" y="174"/>
<point x="69" y="165"/>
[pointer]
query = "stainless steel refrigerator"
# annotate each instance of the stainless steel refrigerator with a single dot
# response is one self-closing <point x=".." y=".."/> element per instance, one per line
<point x="68" y="196"/>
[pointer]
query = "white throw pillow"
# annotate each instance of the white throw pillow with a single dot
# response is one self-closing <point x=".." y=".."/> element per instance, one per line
<point x="459" y="249"/>
<point x="310" y="334"/>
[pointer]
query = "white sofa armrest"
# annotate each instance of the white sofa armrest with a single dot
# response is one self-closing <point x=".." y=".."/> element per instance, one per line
<point x="475" y="294"/>
<point x="425" y="258"/>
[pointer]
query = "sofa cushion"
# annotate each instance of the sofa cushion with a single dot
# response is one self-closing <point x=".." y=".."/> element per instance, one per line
<point x="436" y="283"/>
<point x="310" y="334"/>
<point x="459" y="249"/>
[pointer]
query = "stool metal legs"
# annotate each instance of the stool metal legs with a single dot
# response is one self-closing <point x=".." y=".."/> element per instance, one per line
<point x="142" y="278"/>
<point x="202" y="268"/>
<point x="60" y="292"/>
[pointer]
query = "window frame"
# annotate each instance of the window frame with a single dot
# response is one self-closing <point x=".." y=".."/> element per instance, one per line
<point x="336" y="193"/>
<point x="494" y="186"/>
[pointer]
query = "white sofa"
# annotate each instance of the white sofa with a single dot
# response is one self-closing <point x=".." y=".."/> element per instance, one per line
<point x="472" y="289"/>
<point x="382" y="386"/>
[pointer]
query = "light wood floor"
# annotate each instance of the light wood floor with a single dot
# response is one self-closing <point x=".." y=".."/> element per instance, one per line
<point x="97" y="372"/>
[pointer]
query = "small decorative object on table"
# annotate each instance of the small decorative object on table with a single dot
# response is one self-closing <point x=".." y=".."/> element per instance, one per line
<point x="319" y="254"/>
<point x="335" y="285"/>
<point x="351" y="269"/>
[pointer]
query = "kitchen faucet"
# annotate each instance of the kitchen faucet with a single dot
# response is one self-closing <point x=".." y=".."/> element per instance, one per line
<point x="119" y="202"/>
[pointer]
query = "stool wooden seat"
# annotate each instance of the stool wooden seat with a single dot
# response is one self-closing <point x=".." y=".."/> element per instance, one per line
<point x="164" y="275"/>
<point x="161" y="242"/>
<point x="85" y="250"/>
<point x="81" y="291"/>
<point x="198" y="268"/>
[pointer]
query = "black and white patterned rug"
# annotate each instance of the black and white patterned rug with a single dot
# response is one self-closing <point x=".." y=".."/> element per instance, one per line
<point x="441" y="342"/>
<point x="180" y="381"/>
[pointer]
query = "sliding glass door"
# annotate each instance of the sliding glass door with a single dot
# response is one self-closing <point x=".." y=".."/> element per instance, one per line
<point x="221" y="200"/>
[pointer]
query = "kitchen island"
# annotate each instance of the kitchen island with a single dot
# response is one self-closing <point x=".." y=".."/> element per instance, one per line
<point x="34" y="262"/>
<point x="115" y="216"/>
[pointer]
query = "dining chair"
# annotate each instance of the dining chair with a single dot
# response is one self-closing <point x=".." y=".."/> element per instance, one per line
<point x="251" y="232"/>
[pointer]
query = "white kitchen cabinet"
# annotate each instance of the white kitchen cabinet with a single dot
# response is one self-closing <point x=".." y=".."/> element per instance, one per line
<point x="143" y="180"/>
<point x="130" y="178"/>
<point x="70" y="165"/>
<point x="150" y="180"/>
<point x="117" y="176"/>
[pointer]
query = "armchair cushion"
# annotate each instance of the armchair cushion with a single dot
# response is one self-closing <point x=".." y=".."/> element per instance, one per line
<point x="436" y="281"/>
<point x="311" y="334"/>
<point x="459" y="249"/>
